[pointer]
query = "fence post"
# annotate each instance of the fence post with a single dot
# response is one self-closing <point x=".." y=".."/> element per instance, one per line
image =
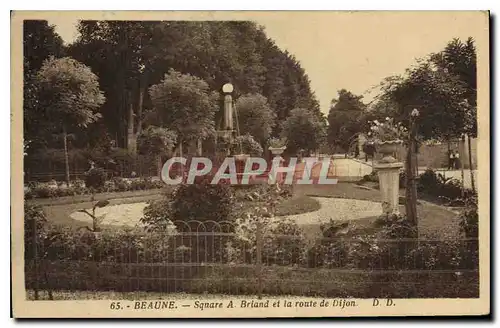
<point x="259" y="258"/>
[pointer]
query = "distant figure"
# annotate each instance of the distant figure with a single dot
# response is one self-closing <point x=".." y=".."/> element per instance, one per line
<point x="457" y="160"/>
<point x="356" y="152"/>
<point x="451" y="161"/>
<point x="369" y="149"/>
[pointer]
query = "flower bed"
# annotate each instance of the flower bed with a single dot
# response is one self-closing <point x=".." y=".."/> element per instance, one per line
<point x="78" y="187"/>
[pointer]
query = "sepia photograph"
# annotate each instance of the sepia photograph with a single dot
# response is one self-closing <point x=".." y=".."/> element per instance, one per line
<point x="250" y="164"/>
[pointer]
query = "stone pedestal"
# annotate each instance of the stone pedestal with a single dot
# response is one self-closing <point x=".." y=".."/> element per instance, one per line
<point x="388" y="174"/>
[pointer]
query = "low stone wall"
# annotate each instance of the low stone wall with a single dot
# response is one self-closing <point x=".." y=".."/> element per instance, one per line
<point x="436" y="156"/>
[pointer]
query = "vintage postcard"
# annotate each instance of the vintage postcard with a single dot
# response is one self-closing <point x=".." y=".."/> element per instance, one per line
<point x="250" y="164"/>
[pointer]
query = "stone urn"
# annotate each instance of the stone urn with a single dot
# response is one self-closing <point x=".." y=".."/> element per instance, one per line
<point x="277" y="150"/>
<point x="241" y="157"/>
<point x="387" y="149"/>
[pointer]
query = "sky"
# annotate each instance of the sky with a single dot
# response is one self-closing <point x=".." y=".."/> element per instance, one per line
<point x="350" y="50"/>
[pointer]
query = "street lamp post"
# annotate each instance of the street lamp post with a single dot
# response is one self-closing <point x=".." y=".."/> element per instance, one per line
<point x="411" y="187"/>
<point x="227" y="89"/>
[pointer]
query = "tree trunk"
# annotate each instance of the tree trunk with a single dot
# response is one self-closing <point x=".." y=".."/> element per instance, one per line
<point x="180" y="155"/>
<point x="411" y="188"/>
<point x="199" y="147"/>
<point x="159" y="166"/>
<point x="450" y="163"/>
<point x="130" y="130"/>
<point x="473" y="183"/>
<point x="66" y="157"/>
<point x="142" y="88"/>
<point x="416" y="160"/>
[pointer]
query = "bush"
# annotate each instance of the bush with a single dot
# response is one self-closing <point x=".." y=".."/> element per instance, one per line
<point x="120" y="184"/>
<point x="436" y="185"/>
<point x="43" y="191"/>
<point x="330" y="251"/>
<point x="469" y="219"/>
<point x="157" y="215"/>
<point x="372" y="177"/>
<point x="283" y="242"/>
<point x="34" y="222"/>
<point x="95" y="178"/>
<point x="428" y="181"/>
<point x="144" y="184"/>
<point x="248" y="146"/>
<point x="117" y="184"/>
<point x="79" y="187"/>
<point x="450" y="189"/>
<point x="138" y="184"/>
<point x="443" y="255"/>
<point x="395" y="226"/>
<point x="201" y="202"/>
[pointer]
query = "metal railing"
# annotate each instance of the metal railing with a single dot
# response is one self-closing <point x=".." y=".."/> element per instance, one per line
<point x="225" y="258"/>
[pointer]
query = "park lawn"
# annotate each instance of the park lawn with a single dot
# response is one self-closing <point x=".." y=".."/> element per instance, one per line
<point x="339" y="190"/>
<point x="434" y="221"/>
<point x="59" y="213"/>
<point x="297" y="205"/>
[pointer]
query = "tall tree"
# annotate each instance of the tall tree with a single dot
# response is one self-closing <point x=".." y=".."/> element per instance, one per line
<point x="120" y="52"/>
<point x="255" y="117"/>
<point x="157" y="142"/>
<point x="184" y="104"/>
<point x="39" y="42"/>
<point x="344" y="119"/>
<point x="459" y="59"/>
<point x="436" y="96"/>
<point x="131" y="56"/>
<point x="303" y="131"/>
<point x="69" y="96"/>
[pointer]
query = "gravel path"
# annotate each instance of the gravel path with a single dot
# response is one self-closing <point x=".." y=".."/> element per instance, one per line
<point x="331" y="208"/>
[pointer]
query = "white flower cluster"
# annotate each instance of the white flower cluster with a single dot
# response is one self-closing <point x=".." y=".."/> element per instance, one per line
<point x="388" y="130"/>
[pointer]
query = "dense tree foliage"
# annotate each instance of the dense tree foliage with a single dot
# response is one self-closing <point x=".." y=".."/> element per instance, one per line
<point x="459" y="60"/>
<point x="255" y="117"/>
<point x="157" y="142"/>
<point x="303" y="130"/>
<point x="183" y="103"/>
<point x="436" y="99"/>
<point x="246" y="144"/>
<point x="39" y="42"/>
<point x="68" y="97"/>
<point x="436" y="94"/>
<point x="344" y="119"/>
<point x="131" y="56"/>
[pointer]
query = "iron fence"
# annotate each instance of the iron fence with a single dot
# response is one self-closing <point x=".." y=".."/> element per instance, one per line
<point x="255" y="259"/>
